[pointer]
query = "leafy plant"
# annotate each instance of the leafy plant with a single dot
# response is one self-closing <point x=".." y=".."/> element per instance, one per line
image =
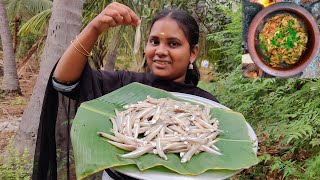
<point x="14" y="165"/>
<point x="37" y="23"/>
<point x="228" y="38"/>
<point x="285" y="115"/>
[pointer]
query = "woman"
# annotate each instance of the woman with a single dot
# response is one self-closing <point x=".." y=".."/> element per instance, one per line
<point x="171" y="52"/>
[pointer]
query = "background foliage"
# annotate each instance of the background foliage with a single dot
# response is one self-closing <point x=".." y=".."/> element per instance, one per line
<point x="227" y="39"/>
<point x="14" y="165"/>
<point x="283" y="112"/>
<point x="285" y="116"/>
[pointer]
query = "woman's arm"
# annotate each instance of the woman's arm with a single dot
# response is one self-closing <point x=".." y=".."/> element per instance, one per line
<point x="72" y="62"/>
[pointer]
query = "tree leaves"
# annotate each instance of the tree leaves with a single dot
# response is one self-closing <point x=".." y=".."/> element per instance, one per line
<point x="23" y="9"/>
<point x="36" y="24"/>
<point x="287" y="112"/>
<point x="228" y="38"/>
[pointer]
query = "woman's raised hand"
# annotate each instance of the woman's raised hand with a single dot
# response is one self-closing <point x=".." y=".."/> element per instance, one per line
<point x="73" y="61"/>
<point x="113" y="15"/>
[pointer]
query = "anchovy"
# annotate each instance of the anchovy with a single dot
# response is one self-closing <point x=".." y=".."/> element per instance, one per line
<point x="138" y="152"/>
<point x="137" y="40"/>
<point x="190" y="153"/>
<point x="114" y="124"/>
<point x="159" y="150"/>
<point x="123" y="146"/>
<point x="209" y="150"/>
<point x="108" y="136"/>
<point x="153" y="134"/>
<point x="161" y="126"/>
<point x="136" y="127"/>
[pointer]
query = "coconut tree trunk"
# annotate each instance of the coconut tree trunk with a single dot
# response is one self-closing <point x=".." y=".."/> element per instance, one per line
<point x="64" y="25"/>
<point x="15" y="33"/>
<point x="10" y="77"/>
<point x="112" y="50"/>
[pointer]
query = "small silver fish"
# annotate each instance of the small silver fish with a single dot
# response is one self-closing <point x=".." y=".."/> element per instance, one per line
<point x="161" y="126"/>
<point x="137" y="40"/>
<point x="138" y="152"/>
<point x="123" y="146"/>
<point x="159" y="149"/>
<point x="190" y="153"/>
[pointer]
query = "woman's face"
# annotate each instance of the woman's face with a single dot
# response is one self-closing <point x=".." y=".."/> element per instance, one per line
<point x="168" y="51"/>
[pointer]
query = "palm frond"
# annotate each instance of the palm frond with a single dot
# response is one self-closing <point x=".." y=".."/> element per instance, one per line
<point x="17" y="9"/>
<point x="37" y="6"/>
<point x="23" y="9"/>
<point x="37" y="23"/>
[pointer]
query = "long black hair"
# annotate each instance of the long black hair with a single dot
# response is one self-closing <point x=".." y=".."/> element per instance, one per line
<point x="190" y="28"/>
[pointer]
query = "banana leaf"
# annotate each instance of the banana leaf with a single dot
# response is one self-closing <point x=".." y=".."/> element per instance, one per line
<point x="93" y="154"/>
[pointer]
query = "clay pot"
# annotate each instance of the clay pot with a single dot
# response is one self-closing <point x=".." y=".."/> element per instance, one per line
<point x="303" y="17"/>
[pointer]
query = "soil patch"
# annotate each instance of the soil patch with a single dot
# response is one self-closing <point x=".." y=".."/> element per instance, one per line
<point x="13" y="105"/>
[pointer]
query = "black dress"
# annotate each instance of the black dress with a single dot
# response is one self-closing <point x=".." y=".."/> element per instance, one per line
<point x="92" y="84"/>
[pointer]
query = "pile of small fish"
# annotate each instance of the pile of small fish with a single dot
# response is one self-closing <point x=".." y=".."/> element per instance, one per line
<point x="163" y="126"/>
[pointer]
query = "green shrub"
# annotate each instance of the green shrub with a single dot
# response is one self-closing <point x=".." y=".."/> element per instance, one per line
<point x="14" y="165"/>
<point x="285" y="114"/>
<point x="228" y="38"/>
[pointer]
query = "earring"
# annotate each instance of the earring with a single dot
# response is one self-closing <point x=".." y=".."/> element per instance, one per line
<point x="190" y="66"/>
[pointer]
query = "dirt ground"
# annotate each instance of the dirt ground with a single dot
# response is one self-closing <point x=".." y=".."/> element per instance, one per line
<point x="13" y="105"/>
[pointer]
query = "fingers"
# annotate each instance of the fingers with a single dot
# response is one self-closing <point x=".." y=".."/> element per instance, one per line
<point x="134" y="18"/>
<point x="125" y="15"/>
<point x="122" y="14"/>
<point x="116" y="16"/>
<point x="109" y="21"/>
<point x="113" y="15"/>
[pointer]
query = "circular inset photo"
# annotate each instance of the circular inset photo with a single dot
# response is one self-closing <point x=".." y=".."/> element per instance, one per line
<point x="283" y="39"/>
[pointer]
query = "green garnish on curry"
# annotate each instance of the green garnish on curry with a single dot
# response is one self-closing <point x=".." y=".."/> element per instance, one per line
<point x="282" y="40"/>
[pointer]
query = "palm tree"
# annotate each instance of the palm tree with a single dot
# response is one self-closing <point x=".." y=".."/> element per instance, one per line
<point x="22" y="10"/>
<point x="10" y="77"/>
<point x="38" y="24"/>
<point x="60" y="32"/>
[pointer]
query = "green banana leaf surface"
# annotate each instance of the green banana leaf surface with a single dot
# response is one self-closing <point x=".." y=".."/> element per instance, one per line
<point x="93" y="154"/>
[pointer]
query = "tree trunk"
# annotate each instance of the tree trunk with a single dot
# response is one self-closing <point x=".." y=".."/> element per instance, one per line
<point x="10" y="76"/>
<point x="15" y="33"/>
<point x="112" y="50"/>
<point x="64" y="25"/>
